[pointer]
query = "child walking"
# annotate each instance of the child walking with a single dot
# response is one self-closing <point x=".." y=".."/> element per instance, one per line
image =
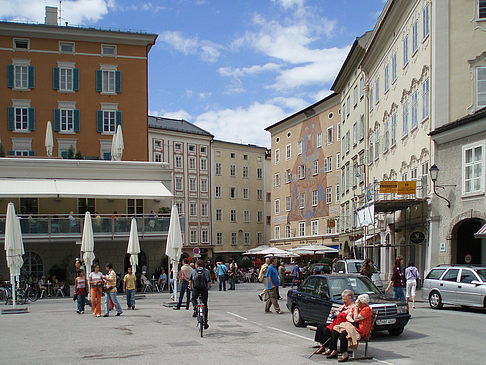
<point x="130" y="287"/>
<point x="80" y="288"/>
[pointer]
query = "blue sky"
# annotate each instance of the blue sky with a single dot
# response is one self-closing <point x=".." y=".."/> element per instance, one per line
<point x="233" y="67"/>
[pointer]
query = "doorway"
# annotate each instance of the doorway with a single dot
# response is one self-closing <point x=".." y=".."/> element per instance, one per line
<point x="465" y="248"/>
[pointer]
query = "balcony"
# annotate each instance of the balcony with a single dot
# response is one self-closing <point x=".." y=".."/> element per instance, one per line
<point x="52" y="226"/>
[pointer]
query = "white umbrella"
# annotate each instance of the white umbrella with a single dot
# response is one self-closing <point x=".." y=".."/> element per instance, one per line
<point x="174" y="244"/>
<point x="274" y="251"/>
<point x="117" y="145"/>
<point x="255" y="250"/>
<point x="14" y="248"/>
<point x="133" y="246"/>
<point x="313" y="250"/>
<point x="283" y="255"/>
<point x="49" y="142"/>
<point x="87" y="245"/>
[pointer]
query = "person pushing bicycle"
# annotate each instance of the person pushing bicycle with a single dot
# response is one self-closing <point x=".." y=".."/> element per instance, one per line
<point x="199" y="283"/>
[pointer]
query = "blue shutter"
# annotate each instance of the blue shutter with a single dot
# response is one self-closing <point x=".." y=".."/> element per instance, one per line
<point x="118" y="81"/>
<point x="118" y="119"/>
<point x="31" y="153"/>
<point x="10" y="74"/>
<point x="106" y="155"/>
<point x="57" y="120"/>
<point x="75" y="79"/>
<point x="31" y="119"/>
<point x="99" y="80"/>
<point x="99" y="121"/>
<point x="31" y="77"/>
<point x="64" y="154"/>
<point x="55" y="78"/>
<point x="76" y="120"/>
<point x="11" y="119"/>
<point x="11" y="153"/>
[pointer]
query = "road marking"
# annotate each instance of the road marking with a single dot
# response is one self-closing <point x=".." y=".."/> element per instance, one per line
<point x="291" y="334"/>
<point x="383" y="362"/>
<point x="236" y="315"/>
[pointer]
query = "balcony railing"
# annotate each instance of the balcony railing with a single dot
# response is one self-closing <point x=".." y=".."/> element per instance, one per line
<point x="56" y="226"/>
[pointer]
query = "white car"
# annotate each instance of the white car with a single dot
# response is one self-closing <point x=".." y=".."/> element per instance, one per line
<point x="353" y="267"/>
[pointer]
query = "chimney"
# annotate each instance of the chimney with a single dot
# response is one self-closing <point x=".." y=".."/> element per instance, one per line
<point x="51" y="15"/>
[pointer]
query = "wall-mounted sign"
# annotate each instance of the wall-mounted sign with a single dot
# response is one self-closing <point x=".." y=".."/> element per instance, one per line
<point x="406" y="187"/>
<point x="468" y="258"/>
<point x="387" y="187"/>
<point x="442" y="247"/>
<point x="417" y="237"/>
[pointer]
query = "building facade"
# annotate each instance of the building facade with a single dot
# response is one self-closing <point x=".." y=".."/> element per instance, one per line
<point x="305" y="170"/>
<point x="238" y="194"/>
<point x="85" y="81"/>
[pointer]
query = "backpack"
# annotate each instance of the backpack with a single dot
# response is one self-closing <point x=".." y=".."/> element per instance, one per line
<point x="200" y="281"/>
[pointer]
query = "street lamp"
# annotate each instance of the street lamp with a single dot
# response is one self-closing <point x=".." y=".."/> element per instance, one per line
<point x="434" y="174"/>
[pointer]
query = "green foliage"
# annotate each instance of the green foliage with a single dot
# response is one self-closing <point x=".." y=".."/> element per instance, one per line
<point x="71" y="153"/>
<point x="164" y="210"/>
<point x="244" y="263"/>
<point x="78" y="155"/>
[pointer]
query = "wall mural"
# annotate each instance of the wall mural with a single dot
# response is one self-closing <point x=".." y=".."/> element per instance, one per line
<point x="310" y="153"/>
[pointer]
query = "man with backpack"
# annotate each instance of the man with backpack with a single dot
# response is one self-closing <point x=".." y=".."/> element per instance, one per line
<point x="199" y="283"/>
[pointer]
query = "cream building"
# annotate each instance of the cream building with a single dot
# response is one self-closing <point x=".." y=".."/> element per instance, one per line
<point x="238" y="196"/>
<point x="305" y="151"/>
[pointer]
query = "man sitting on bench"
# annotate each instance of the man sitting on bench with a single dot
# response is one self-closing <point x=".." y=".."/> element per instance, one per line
<point x="358" y="326"/>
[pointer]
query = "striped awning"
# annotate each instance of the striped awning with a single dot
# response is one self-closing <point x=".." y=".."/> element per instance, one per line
<point x="481" y="233"/>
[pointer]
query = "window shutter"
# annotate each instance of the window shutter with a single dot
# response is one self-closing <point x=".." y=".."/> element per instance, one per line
<point x="64" y="154"/>
<point x="55" y="78"/>
<point x="118" y="119"/>
<point x="31" y="77"/>
<point x="118" y="81"/>
<point x="106" y="155"/>
<point x="11" y="119"/>
<point x="11" y="153"/>
<point x="31" y="119"/>
<point x="76" y="120"/>
<point x="10" y="74"/>
<point x="99" y="80"/>
<point x="31" y="153"/>
<point x="57" y="120"/>
<point x="75" y="79"/>
<point x="99" y="121"/>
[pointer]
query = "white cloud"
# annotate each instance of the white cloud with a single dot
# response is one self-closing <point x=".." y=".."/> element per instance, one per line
<point x="205" y="96"/>
<point x="75" y="12"/>
<point x="252" y="70"/>
<point x="292" y="104"/>
<point x="322" y="94"/>
<point x="180" y="114"/>
<point x="208" y="51"/>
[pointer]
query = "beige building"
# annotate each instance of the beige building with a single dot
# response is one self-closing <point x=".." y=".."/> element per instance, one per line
<point x="238" y="198"/>
<point x="186" y="149"/>
<point x="305" y="170"/>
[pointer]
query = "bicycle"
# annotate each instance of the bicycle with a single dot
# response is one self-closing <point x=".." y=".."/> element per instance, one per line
<point x="200" y="315"/>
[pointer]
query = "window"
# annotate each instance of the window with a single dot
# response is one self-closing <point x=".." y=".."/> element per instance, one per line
<point x="288" y="203"/>
<point x="193" y="237"/>
<point x="299" y="147"/>
<point x="481" y="86"/>
<point x="108" y="80"/>
<point x="338" y="198"/>
<point x="192" y="163"/>
<point x="425" y="99"/>
<point x="193" y="209"/>
<point x="302" y="201"/>
<point x="301" y="229"/>
<point x="314" y="228"/>
<point x="473" y="168"/>
<point x="246" y="216"/>
<point x="157" y="157"/>
<point x="318" y="140"/>
<point x="355" y="95"/>
<point x="21" y="43"/>
<point x="233" y="192"/>
<point x="377" y="91"/>
<point x="246" y="193"/>
<point x="415" y="37"/>
<point x="405" y="50"/>
<point x="217" y="169"/>
<point x="338" y="161"/>
<point x="394" y="67"/>
<point x="67" y="120"/>
<point x="277" y="156"/>
<point x="301" y="170"/>
<point x="386" y="136"/>
<point x="245" y="157"/>
<point x="328" y="164"/>
<point x="259" y="216"/>
<point x="330" y="135"/>
<point x="451" y="275"/>
<point x="343" y="114"/>
<point x="355" y="133"/>
<point x="259" y="194"/>
<point x="108" y="50"/>
<point x="269" y="197"/>
<point x="361" y="88"/>
<point x="288" y="152"/>
<point x="109" y="121"/>
<point x="192" y="148"/>
<point x="377" y="144"/>
<point x="387" y="77"/>
<point x="247" y="238"/>
<point x="329" y="195"/>
<point x="414" y="109"/>
<point x="234" y="240"/>
<point x="361" y="127"/>
<point x="232" y="170"/>
<point x="219" y="238"/>
<point x="371" y="150"/>
<point x="405" y="118"/>
<point x="203" y="150"/>
<point x="192" y="184"/>
<point x="204" y="164"/>
<point x="277" y="179"/>
<point x="178" y="162"/>
<point x="233" y="215"/>
<point x="277" y="206"/>
<point x="371" y="99"/>
<point x="219" y="215"/>
<point x="21" y="75"/>
<point x="65" y="77"/>
<point x="204" y="185"/>
<point x="348" y="137"/>
<point x="425" y="20"/>
<point x="315" y="198"/>
<point x="288" y="231"/>
<point x="276" y="233"/>
<point x="245" y="171"/>
<point x="413" y="174"/>
<point x="232" y="155"/>
<point x="259" y="173"/>
<point x="178" y="183"/>
<point x="259" y="237"/>
<point x="204" y="209"/>
<point x="21" y="119"/>
<point x="218" y="192"/>
<point x="288" y="176"/>
<point x="178" y="147"/>
<point x="158" y="143"/>
<point x="204" y="235"/>
<point x="348" y="106"/>
<point x="394" y="129"/>
<point x="315" y="167"/>
<point x="66" y="47"/>
<point x="338" y="131"/>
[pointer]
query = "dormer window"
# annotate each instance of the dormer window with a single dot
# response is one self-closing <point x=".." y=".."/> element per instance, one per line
<point x="108" y="50"/>
<point x="21" y="43"/>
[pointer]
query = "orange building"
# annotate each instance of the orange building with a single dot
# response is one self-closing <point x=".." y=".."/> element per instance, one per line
<point x="86" y="81"/>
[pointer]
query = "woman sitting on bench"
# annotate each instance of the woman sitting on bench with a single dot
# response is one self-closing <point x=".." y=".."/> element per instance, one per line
<point x="358" y="326"/>
<point x="323" y="332"/>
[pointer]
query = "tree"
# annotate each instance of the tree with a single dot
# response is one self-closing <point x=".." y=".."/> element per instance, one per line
<point x="78" y="155"/>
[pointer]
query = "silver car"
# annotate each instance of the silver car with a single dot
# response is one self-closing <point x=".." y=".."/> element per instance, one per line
<point x="456" y="285"/>
<point x="354" y="267"/>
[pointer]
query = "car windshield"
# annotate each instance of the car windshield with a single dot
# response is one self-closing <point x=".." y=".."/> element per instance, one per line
<point x="359" y="285"/>
<point x="355" y="267"/>
<point x="482" y="274"/>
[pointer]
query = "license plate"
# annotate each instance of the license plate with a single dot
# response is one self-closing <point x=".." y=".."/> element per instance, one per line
<point x="382" y="322"/>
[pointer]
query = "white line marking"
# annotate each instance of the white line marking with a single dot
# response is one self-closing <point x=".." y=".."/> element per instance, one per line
<point x="236" y="315"/>
<point x="291" y="334"/>
<point x="383" y="362"/>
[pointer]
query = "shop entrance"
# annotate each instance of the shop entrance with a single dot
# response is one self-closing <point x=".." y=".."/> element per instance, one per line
<point x="465" y="248"/>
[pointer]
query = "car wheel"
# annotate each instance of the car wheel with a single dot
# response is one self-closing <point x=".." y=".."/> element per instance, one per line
<point x="297" y="317"/>
<point x="396" y="331"/>
<point x="435" y="300"/>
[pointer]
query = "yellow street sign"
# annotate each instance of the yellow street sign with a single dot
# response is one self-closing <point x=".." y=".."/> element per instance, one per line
<point x="387" y="187"/>
<point x="407" y="187"/>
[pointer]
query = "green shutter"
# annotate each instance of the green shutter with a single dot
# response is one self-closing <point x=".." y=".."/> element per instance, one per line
<point x="57" y="120"/>
<point x="75" y="79"/>
<point x="118" y="81"/>
<point x="31" y="77"/>
<point x="99" y="80"/>
<point x="118" y="119"/>
<point x="10" y="75"/>
<point x="99" y="121"/>
<point x="31" y="119"/>
<point x="76" y="120"/>
<point x="31" y="153"/>
<point x="64" y="154"/>
<point x="106" y="155"/>
<point x="55" y="78"/>
<point x="11" y="119"/>
<point x="11" y="153"/>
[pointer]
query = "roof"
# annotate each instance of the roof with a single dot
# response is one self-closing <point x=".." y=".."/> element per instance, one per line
<point x="176" y="125"/>
<point x="241" y="144"/>
<point x="481" y="113"/>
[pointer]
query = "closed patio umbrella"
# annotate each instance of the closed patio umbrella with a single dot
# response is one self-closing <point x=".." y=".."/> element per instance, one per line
<point x="49" y="142"/>
<point x="87" y="245"/>
<point x="117" y="145"/>
<point x="174" y="244"/>
<point x="133" y="246"/>
<point x="14" y="248"/>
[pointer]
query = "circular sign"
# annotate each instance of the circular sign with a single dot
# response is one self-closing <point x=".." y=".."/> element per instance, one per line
<point x="196" y="251"/>
<point x="468" y="258"/>
<point x="417" y="237"/>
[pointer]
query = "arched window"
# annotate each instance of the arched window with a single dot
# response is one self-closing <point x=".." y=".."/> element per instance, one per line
<point x="32" y="265"/>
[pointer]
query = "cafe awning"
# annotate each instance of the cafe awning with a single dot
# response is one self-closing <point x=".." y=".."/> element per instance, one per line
<point x="79" y="188"/>
<point x="362" y="240"/>
<point x="481" y="233"/>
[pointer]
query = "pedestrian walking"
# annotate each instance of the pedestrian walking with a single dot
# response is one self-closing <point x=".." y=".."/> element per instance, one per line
<point x="411" y="275"/>
<point x="96" y="282"/>
<point x="80" y="290"/>
<point x="186" y="271"/>
<point x="130" y="288"/>
<point x="272" y="285"/>
<point x="262" y="279"/>
<point x="295" y="274"/>
<point x="232" y="275"/>
<point x="281" y="274"/>
<point x="199" y="283"/>
<point x="221" y="275"/>
<point x="397" y="280"/>
<point x="110" y="291"/>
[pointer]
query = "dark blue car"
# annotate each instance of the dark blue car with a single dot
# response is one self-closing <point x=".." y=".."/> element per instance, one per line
<point x="319" y="294"/>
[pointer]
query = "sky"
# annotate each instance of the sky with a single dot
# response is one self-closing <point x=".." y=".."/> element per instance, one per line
<point x="232" y="67"/>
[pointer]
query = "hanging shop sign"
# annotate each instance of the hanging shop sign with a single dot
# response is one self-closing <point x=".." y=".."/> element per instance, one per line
<point x="417" y="237"/>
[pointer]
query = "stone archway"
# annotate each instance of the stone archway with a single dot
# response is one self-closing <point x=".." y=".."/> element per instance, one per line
<point x="465" y="248"/>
